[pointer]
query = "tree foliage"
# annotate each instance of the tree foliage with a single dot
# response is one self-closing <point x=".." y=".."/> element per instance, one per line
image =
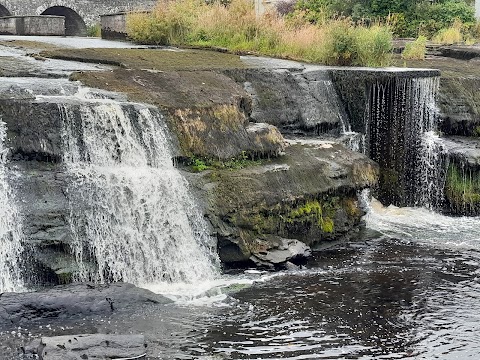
<point x="407" y="17"/>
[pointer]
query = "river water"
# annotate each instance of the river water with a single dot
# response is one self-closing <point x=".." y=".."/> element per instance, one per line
<point x="407" y="288"/>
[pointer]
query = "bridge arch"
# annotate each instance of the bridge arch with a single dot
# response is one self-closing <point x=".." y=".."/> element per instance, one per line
<point x="4" y="11"/>
<point x="74" y="24"/>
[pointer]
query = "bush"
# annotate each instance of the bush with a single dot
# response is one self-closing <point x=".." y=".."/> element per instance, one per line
<point x="346" y="44"/>
<point x="373" y="46"/>
<point x="415" y="50"/>
<point x="236" y="27"/>
<point x="339" y="46"/>
<point x="94" y="31"/>
<point x="450" y="35"/>
<point x="168" y="24"/>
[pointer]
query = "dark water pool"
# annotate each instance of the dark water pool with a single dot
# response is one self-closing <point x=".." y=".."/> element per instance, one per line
<point x="381" y="298"/>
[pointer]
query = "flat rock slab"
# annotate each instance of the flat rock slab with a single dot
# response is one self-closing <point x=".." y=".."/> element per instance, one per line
<point x="94" y="346"/>
<point x="73" y="301"/>
<point x="465" y="150"/>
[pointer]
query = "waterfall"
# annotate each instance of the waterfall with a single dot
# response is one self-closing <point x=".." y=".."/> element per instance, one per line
<point x="351" y="139"/>
<point x="432" y="172"/>
<point x="10" y="228"/>
<point x="132" y="215"/>
<point x="401" y="120"/>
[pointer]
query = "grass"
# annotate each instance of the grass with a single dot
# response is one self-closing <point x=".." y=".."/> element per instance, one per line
<point x="236" y="28"/>
<point x="415" y="50"/>
<point x="451" y="35"/>
<point x="462" y="187"/>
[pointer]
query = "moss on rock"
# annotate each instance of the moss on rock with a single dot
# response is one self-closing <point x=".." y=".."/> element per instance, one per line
<point x="309" y="194"/>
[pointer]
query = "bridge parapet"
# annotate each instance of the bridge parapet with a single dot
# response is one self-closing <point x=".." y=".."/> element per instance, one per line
<point x="78" y="13"/>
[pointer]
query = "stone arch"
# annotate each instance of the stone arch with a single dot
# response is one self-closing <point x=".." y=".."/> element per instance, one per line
<point x="74" y="24"/>
<point x="4" y="11"/>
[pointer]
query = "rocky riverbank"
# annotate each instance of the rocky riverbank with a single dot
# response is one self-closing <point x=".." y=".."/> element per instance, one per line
<point x="268" y="200"/>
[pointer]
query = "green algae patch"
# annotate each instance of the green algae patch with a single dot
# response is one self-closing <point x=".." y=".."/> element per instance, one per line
<point x="462" y="190"/>
<point x="151" y="59"/>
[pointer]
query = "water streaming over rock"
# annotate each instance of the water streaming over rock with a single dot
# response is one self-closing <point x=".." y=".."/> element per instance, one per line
<point x="400" y="122"/>
<point x="10" y="227"/>
<point x="132" y="214"/>
<point x="354" y="141"/>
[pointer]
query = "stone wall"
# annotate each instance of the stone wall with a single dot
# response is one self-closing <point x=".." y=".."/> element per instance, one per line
<point x="89" y="10"/>
<point x="33" y="25"/>
<point x="8" y="26"/>
<point x="114" y="26"/>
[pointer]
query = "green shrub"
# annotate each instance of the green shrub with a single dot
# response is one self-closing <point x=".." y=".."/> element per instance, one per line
<point x="339" y="46"/>
<point x="346" y="44"/>
<point x="373" y="46"/>
<point x="450" y="35"/>
<point x="415" y="50"/>
<point x="94" y="30"/>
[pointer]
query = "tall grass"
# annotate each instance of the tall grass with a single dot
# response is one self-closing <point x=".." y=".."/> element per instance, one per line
<point x="450" y="35"/>
<point x="415" y="50"/>
<point x="237" y="28"/>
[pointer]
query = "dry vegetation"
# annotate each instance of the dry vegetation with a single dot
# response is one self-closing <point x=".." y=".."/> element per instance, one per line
<point x="236" y="27"/>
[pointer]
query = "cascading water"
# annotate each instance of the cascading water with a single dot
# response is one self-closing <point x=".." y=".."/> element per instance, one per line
<point x="400" y="121"/>
<point x="10" y="228"/>
<point x="352" y="140"/>
<point x="132" y="215"/>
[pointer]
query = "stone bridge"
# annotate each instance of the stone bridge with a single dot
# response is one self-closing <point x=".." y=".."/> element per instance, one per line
<point x="78" y="13"/>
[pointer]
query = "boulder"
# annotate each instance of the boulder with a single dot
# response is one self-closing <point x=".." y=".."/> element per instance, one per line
<point x="458" y="102"/>
<point x="281" y="251"/>
<point x="463" y="150"/>
<point x="462" y="184"/>
<point x="308" y="195"/>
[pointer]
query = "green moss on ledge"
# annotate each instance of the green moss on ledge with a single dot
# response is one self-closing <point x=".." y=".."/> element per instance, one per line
<point x="311" y="221"/>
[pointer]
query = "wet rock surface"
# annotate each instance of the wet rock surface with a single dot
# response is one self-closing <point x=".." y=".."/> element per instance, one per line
<point x="221" y="110"/>
<point x="464" y="150"/>
<point x="72" y="301"/>
<point x="458" y="101"/>
<point x="295" y="100"/>
<point x="253" y="209"/>
<point x="89" y="346"/>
